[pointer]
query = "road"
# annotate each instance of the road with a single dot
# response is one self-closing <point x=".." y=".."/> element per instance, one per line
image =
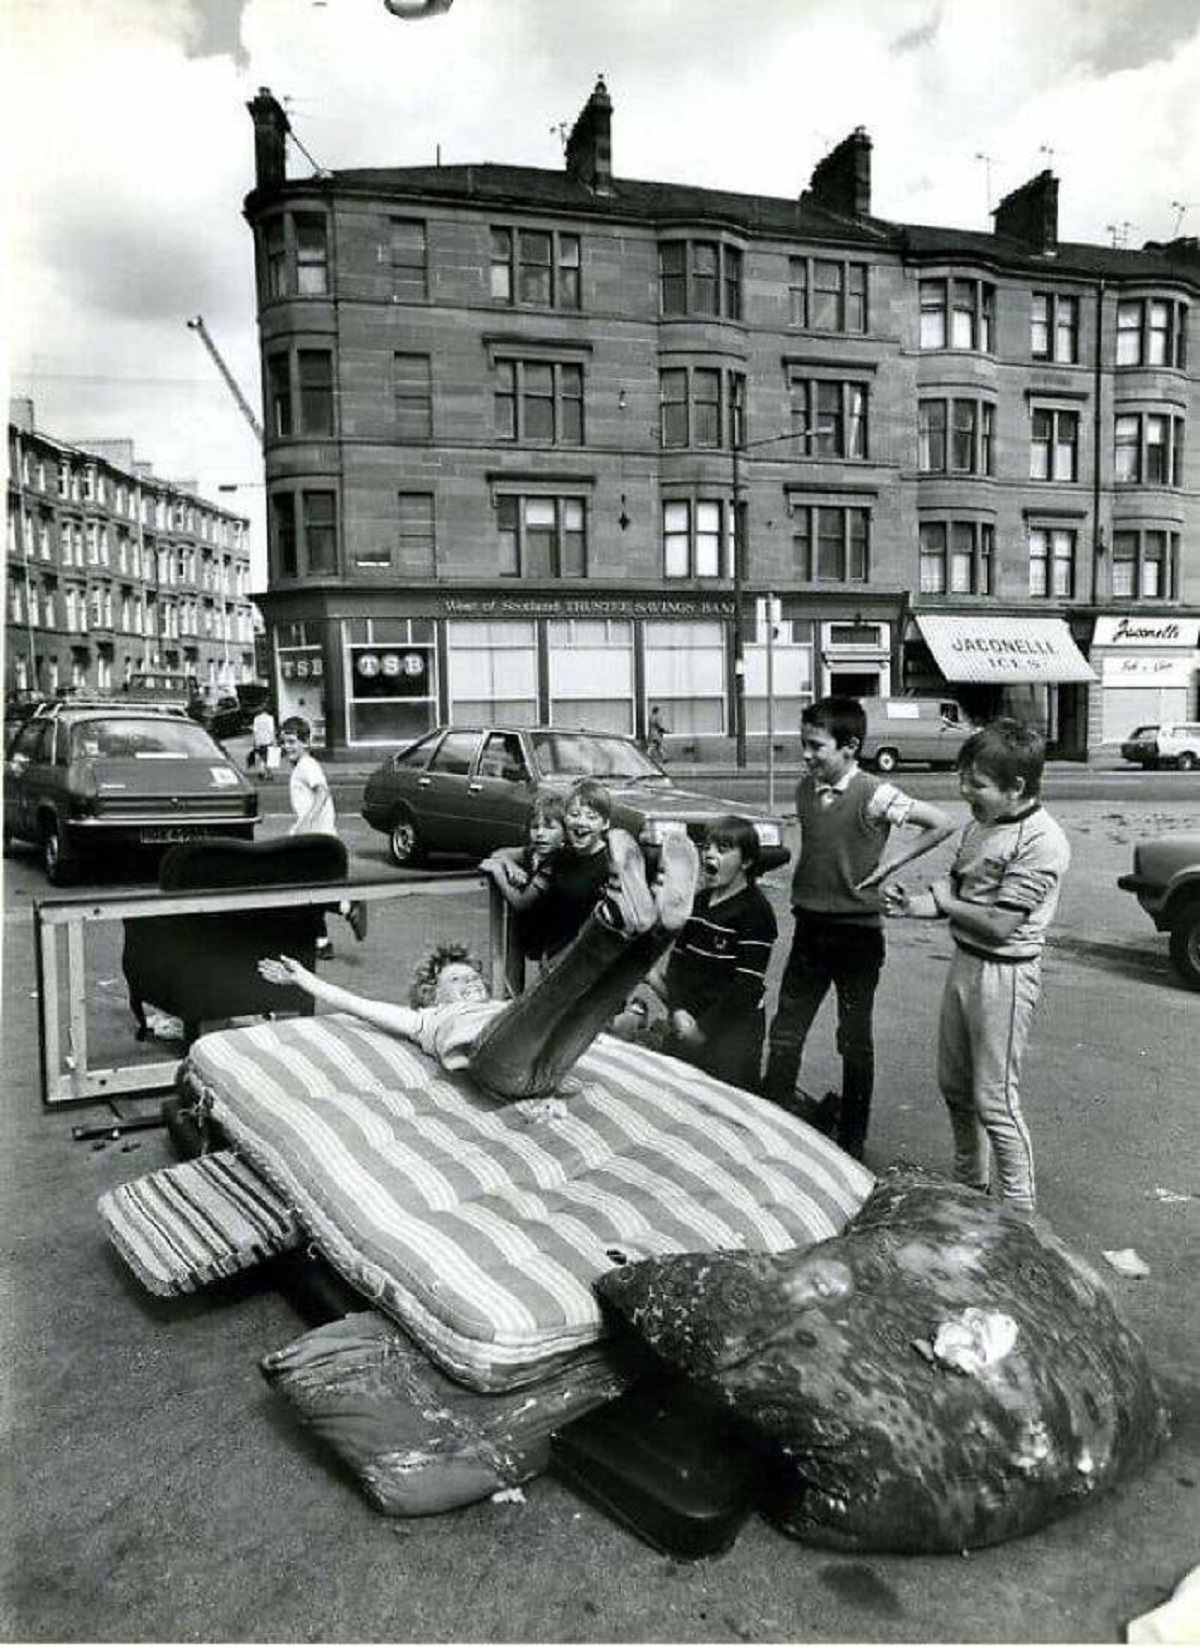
<point x="145" y="1455"/>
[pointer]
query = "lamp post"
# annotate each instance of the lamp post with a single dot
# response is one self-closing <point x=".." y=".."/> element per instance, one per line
<point x="740" y="517"/>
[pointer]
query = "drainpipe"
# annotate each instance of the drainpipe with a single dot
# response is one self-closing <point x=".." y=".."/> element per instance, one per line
<point x="1097" y="541"/>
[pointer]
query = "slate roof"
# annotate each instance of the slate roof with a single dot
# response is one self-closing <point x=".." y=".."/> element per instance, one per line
<point x="530" y="188"/>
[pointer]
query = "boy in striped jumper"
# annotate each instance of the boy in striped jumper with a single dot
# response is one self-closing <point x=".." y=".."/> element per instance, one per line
<point x="999" y="897"/>
<point x="846" y="819"/>
<point x="713" y="980"/>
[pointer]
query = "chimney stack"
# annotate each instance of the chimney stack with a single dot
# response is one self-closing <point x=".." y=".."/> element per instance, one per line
<point x="841" y="182"/>
<point x="589" y="147"/>
<point x="1030" y="214"/>
<point x="271" y="127"/>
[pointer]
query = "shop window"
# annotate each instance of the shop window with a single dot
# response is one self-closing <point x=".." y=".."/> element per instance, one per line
<point x="700" y="277"/>
<point x="409" y="260"/>
<point x="1054" y="327"/>
<point x="539" y="402"/>
<point x="390" y="679"/>
<point x="831" y="543"/>
<point x="412" y="378"/>
<point x="827" y="295"/>
<point x="591" y="673"/>
<point x="535" y="268"/>
<point x="957" y="314"/>
<point x="541" y="537"/>
<point x="493" y="672"/>
<point x="1054" y="444"/>
<point x="1051" y="562"/>
<point x="686" y="675"/>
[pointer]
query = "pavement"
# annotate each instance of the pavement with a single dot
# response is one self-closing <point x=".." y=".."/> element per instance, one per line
<point x="156" y="1492"/>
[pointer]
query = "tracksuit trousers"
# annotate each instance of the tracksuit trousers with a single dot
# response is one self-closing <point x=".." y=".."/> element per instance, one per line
<point x="983" y="1030"/>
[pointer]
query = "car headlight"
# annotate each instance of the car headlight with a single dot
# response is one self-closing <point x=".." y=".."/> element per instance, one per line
<point x="769" y="834"/>
<point x="655" y="830"/>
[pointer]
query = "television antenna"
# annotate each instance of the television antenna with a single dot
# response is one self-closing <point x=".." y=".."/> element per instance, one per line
<point x="987" y="176"/>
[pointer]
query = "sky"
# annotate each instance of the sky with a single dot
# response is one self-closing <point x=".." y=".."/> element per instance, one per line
<point x="129" y="149"/>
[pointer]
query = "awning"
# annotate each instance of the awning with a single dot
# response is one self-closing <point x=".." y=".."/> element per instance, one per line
<point x="996" y="650"/>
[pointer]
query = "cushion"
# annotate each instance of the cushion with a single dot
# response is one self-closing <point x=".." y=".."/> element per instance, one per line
<point x="186" y="1226"/>
<point x="479" y="1225"/>
<point x="944" y="1374"/>
<point x="417" y="1441"/>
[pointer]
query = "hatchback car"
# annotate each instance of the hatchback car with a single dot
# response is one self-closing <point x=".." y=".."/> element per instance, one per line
<point x="1174" y="744"/>
<point x="1166" y="882"/>
<point x="468" y="790"/>
<point x="79" y="776"/>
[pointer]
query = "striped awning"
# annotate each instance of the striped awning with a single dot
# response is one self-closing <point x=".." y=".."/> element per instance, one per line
<point x="1003" y="649"/>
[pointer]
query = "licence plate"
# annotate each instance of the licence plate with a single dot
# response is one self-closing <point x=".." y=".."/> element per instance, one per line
<point x="168" y="832"/>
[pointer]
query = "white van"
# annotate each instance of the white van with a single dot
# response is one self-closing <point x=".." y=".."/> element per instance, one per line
<point x="930" y="730"/>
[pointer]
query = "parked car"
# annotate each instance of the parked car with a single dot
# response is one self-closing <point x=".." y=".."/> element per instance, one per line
<point x="1166" y="882"/>
<point x="222" y="717"/>
<point x="926" y="730"/>
<point x="468" y="790"/>
<point x="82" y="776"/>
<point x="1176" y="743"/>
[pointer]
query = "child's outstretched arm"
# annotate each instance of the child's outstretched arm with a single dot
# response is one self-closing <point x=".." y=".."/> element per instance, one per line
<point x="932" y="826"/>
<point x="397" y="1020"/>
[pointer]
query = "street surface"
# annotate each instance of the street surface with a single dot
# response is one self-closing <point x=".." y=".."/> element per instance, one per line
<point x="136" y="1414"/>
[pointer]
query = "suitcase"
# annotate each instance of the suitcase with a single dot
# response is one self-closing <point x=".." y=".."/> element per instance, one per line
<point x="663" y="1464"/>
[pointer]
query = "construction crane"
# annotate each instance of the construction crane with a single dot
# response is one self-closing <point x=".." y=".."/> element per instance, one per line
<point x="196" y="324"/>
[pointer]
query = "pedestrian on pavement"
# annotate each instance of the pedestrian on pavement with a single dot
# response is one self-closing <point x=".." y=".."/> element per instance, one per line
<point x="712" y="983"/>
<point x="262" y="740"/>
<point x="656" y="730"/>
<point x="846" y="819"/>
<point x="314" y="813"/>
<point x="1000" y="897"/>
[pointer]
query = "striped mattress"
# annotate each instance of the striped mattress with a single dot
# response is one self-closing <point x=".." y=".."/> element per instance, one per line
<point x="481" y="1225"/>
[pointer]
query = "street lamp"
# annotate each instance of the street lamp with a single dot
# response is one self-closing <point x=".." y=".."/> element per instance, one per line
<point x="740" y="447"/>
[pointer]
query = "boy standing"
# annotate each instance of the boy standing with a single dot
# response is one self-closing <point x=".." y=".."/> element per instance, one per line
<point x="845" y="819"/>
<point x="312" y="804"/>
<point x="999" y="897"/>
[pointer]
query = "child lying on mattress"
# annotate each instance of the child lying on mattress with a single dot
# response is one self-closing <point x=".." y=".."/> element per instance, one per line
<point x="523" y="1048"/>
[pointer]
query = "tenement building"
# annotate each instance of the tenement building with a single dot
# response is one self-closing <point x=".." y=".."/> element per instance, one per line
<point x="554" y="445"/>
<point x="113" y="572"/>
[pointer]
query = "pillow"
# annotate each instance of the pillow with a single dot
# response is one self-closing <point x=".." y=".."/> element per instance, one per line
<point x="186" y="1226"/>
<point x="943" y="1375"/>
<point x="418" y="1442"/>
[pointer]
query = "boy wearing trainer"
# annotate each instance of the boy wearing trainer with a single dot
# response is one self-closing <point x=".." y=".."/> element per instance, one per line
<point x="999" y="897"/>
<point x="846" y="819"/>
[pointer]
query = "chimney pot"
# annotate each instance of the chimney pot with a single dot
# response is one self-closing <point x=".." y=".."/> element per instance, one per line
<point x="1030" y="214"/>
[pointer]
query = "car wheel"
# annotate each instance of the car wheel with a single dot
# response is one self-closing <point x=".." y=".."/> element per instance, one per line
<point x="58" y="859"/>
<point x="1185" y="944"/>
<point x="1187" y="761"/>
<point x="887" y="760"/>
<point x="404" y="841"/>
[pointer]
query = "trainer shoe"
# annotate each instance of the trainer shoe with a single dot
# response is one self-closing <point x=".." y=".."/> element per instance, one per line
<point x="675" y="889"/>
<point x="356" y="915"/>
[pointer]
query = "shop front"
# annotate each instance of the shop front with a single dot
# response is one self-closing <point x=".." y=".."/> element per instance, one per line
<point x="1029" y="667"/>
<point x="1149" y="673"/>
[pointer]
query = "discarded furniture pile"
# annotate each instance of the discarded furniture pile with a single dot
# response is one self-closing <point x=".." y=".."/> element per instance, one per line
<point x="686" y="1302"/>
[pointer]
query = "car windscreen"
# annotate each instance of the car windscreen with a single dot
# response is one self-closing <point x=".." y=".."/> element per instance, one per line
<point x="588" y="755"/>
<point x="138" y="738"/>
